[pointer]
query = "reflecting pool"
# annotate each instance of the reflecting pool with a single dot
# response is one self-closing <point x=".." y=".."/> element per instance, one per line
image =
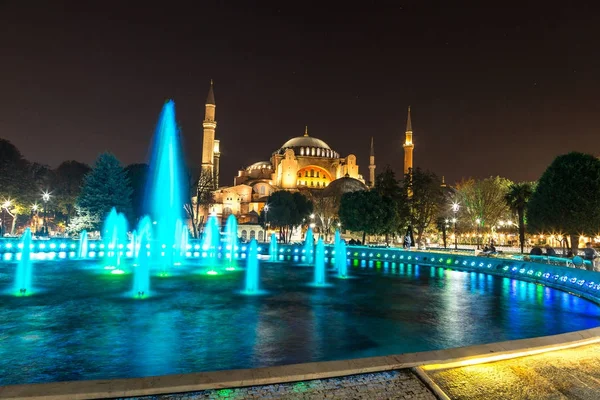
<point x="83" y="322"/>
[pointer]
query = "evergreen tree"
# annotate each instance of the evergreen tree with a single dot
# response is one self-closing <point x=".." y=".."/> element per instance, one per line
<point x="517" y="198"/>
<point x="106" y="186"/>
<point x="567" y="198"/>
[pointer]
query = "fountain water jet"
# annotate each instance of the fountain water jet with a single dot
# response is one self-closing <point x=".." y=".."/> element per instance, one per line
<point x="341" y="259"/>
<point x="164" y="190"/>
<point x="144" y="230"/>
<point x="309" y="245"/>
<point x="24" y="268"/>
<point x="212" y="236"/>
<point x="141" y="282"/>
<point x="114" y="238"/>
<point x="320" y="264"/>
<point x="83" y="245"/>
<point x="252" y="272"/>
<point x="232" y="240"/>
<point x="273" y="248"/>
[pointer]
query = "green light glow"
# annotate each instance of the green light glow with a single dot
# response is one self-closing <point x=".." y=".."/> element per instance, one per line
<point x="212" y="272"/>
<point x="109" y="267"/>
<point x="230" y="269"/>
<point x="117" y="272"/>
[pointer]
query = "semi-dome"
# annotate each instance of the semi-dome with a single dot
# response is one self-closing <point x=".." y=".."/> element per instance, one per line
<point x="308" y="146"/>
<point x="259" y="165"/>
<point x="343" y="185"/>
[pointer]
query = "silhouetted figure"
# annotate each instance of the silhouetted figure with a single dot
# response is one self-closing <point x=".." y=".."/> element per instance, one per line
<point x="536" y="251"/>
<point x="550" y="251"/>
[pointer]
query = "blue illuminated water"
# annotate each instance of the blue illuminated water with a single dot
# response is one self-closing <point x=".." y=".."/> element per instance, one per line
<point x="114" y="236"/>
<point x="24" y="266"/>
<point x="309" y="245"/>
<point x="341" y="259"/>
<point x="211" y="237"/>
<point x="82" y="249"/>
<point x="273" y="248"/>
<point x="231" y="231"/>
<point x="252" y="272"/>
<point x="83" y="326"/>
<point x="141" y="270"/>
<point x="320" y="264"/>
<point x="165" y="189"/>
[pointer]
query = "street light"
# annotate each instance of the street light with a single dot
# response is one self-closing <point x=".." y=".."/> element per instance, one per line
<point x="34" y="210"/>
<point x="266" y="208"/>
<point x="45" y="197"/>
<point x="478" y="221"/>
<point x="455" y="207"/>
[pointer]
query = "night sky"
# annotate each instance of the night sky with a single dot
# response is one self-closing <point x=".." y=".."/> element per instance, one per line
<point x="493" y="91"/>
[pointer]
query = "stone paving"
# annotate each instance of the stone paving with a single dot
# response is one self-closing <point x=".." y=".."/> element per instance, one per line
<point x="401" y="384"/>
<point x="563" y="374"/>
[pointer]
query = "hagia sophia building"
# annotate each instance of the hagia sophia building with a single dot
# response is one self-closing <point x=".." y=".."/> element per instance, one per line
<point x="301" y="163"/>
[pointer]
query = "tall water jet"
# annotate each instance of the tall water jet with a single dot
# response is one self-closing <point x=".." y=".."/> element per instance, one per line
<point x="252" y="275"/>
<point x="114" y="237"/>
<point x="24" y="268"/>
<point x="273" y="248"/>
<point x="164" y="190"/>
<point x="133" y="243"/>
<point x="83" y="245"/>
<point x="337" y="237"/>
<point x="180" y="245"/>
<point x="309" y="245"/>
<point x="144" y="229"/>
<point x="341" y="259"/>
<point x="320" y="263"/>
<point x="231" y="229"/>
<point x="141" y="281"/>
<point x="211" y="237"/>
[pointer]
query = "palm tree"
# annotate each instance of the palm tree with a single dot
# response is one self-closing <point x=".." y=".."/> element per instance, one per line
<point x="517" y="198"/>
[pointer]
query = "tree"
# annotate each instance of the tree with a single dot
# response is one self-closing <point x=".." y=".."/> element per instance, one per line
<point x="387" y="186"/>
<point x="200" y="197"/>
<point x="105" y="187"/>
<point x="68" y="179"/>
<point x="567" y="198"/>
<point x="288" y="210"/>
<point x="517" y="197"/>
<point x="325" y="210"/>
<point x="425" y="197"/>
<point x="367" y="212"/>
<point x="483" y="200"/>
<point x="137" y="174"/>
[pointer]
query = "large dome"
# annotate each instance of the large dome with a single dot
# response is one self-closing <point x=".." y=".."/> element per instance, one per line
<point x="305" y="141"/>
<point x="308" y="146"/>
<point x="343" y="185"/>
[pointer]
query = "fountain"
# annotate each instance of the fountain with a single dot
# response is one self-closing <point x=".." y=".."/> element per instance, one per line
<point x="141" y="281"/>
<point x="337" y="238"/>
<point x="144" y="230"/>
<point x="320" y="263"/>
<point x="83" y="245"/>
<point x="24" y="270"/>
<point x="252" y="274"/>
<point x="273" y="248"/>
<point x="341" y="261"/>
<point x="212" y="236"/>
<point x="232" y="240"/>
<point x="164" y="190"/>
<point x="133" y="243"/>
<point x="180" y="245"/>
<point x="114" y="237"/>
<point x="309" y="245"/>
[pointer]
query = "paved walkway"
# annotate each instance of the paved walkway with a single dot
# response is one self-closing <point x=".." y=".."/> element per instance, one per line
<point x="378" y="386"/>
<point x="562" y="374"/>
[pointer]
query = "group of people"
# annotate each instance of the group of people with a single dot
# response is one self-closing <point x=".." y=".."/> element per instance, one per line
<point x="589" y="254"/>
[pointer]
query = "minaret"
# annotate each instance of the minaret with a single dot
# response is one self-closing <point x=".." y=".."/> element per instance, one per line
<point x="208" y="141"/>
<point x="408" y="146"/>
<point x="372" y="165"/>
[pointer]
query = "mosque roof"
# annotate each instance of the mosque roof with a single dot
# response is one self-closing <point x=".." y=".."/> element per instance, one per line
<point x="305" y="141"/>
<point x="343" y="185"/>
<point x="259" y="165"/>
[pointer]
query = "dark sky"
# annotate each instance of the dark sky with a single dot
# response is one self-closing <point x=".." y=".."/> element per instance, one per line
<point x="493" y="90"/>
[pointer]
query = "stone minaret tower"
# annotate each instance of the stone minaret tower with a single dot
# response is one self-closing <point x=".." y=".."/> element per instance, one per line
<point x="209" y="145"/>
<point x="408" y="146"/>
<point x="372" y="165"/>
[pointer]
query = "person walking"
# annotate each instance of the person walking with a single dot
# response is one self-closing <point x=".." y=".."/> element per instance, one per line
<point x="590" y="254"/>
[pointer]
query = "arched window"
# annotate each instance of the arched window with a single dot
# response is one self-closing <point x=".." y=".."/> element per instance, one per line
<point x="301" y="151"/>
<point x="312" y="151"/>
<point x="261" y="236"/>
<point x="306" y="174"/>
<point x="244" y="234"/>
<point x="317" y="174"/>
<point x="252" y="234"/>
<point x="312" y="173"/>
<point x="262" y="190"/>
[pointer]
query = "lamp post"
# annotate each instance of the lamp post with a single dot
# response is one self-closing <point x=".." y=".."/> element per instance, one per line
<point x="455" y="208"/>
<point x="34" y="210"/>
<point x="266" y="208"/>
<point x="45" y="197"/>
<point x="478" y="222"/>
